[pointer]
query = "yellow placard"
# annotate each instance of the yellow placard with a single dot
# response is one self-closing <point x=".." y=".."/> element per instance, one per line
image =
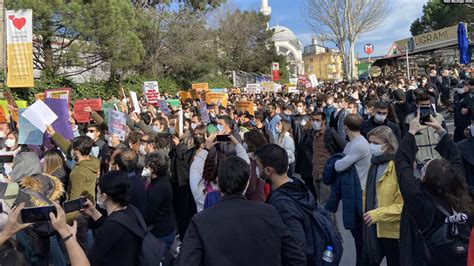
<point x="184" y="95"/>
<point x="6" y="110"/>
<point x="200" y="86"/>
<point x="217" y="98"/>
<point x="20" y="65"/>
<point x="268" y="87"/>
<point x="245" y="106"/>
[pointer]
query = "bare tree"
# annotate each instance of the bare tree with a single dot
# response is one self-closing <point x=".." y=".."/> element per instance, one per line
<point x="343" y="21"/>
<point x="327" y="19"/>
<point x="362" y="16"/>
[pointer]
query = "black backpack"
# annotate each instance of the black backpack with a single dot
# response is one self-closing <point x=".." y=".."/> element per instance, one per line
<point x="153" y="251"/>
<point x="449" y="242"/>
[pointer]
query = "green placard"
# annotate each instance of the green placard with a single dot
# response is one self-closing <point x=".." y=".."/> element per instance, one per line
<point x="174" y="102"/>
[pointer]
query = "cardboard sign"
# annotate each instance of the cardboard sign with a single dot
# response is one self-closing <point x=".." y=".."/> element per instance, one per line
<point x="200" y="87"/>
<point x="184" y="95"/>
<point x="163" y="105"/>
<point x="151" y="91"/>
<point x="64" y="93"/>
<point x="39" y="96"/>
<point x="245" y="106"/>
<point x="314" y="80"/>
<point x="268" y="87"/>
<point x="82" y="116"/>
<point x="205" y="119"/>
<point x="277" y="87"/>
<point x="4" y="105"/>
<point x="28" y="133"/>
<point x="3" y="117"/>
<point x="292" y="89"/>
<point x="216" y="98"/>
<point x="117" y="124"/>
<point x="61" y="109"/>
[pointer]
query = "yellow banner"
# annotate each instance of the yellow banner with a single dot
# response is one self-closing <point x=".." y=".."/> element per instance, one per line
<point x="217" y="98"/>
<point x="20" y="65"/>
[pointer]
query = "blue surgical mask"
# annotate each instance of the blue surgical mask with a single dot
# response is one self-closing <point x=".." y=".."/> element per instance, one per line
<point x="157" y="129"/>
<point x="220" y="127"/>
<point x="95" y="151"/>
<point x="172" y="130"/>
<point x="375" y="149"/>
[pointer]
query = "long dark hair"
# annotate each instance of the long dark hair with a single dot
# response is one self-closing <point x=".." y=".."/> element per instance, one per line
<point x="447" y="183"/>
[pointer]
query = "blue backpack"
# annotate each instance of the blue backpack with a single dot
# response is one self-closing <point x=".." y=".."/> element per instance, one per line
<point x="212" y="196"/>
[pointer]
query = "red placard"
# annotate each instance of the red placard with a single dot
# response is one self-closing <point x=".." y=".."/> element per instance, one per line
<point x="82" y="116"/>
<point x="276" y="74"/>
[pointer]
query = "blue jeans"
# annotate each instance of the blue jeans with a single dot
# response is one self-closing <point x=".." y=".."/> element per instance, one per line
<point x="56" y="253"/>
<point x="168" y="239"/>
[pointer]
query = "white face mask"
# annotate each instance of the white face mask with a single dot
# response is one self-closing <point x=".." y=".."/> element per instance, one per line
<point x="101" y="198"/>
<point x="316" y="125"/>
<point x="349" y="111"/>
<point x="379" y="118"/>
<point x="2" y="135"/>
<point x="91" y="135"/>
<point x="278" y="129"/>
<point x="146" y="172"/>
<point x="300" y="110"/>
<point x="376" y="149"/>
<point x="157" y="129"/>
<point x="141" y="149"/>
<point x="460" y="90"/>
<point x="220" y="128"/>
<point x="10" y="143"/>
<point x="193" y="125"/>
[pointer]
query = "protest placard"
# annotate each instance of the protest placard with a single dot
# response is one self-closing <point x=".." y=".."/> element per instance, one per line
<point x="174" y="102"/>
<point x="117" y="124"/>
<point x="40" y="115"/>
<point x="64" y="93"/>
<point x="82" y="116"/>
<point x="163" y="105"/>
<point x="39" y="96"/>
<point x="223" y="90"/>
<point x="28" y="133"/>
<point x="253" y="88"/>
<point x="4" y="105"/>
<point x="61" y="109"/>
<point x="268" y="87"/>
<point x="198" y="89"/>
<point x="292" y="89"/>
<point x="151" y="92"/>
<point x="314" y="80"/>
<point x="245" y="106"/>
<point x="205" y="119"/>
<point x="136" y="105"/>
<point x="277" y="87"/>
<point x="184" y="95"/>
<point x="216" y="98"/>
<point x="3" y="117"/>
<point x="109" y="105"/>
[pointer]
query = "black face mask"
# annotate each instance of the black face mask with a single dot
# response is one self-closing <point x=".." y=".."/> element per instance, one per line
<point x="198" y="140"/>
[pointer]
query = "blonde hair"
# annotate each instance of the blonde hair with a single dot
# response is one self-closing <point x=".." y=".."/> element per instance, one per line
<point x="52" y="162"/>
<point x="386" y="135"/>
<point x="285" y="127"/>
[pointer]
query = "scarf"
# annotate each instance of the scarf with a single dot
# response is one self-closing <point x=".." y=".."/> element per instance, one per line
<point x="372" y="251"/>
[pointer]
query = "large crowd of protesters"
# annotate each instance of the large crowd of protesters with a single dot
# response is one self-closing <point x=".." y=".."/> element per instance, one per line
<point x="254" y="188"/>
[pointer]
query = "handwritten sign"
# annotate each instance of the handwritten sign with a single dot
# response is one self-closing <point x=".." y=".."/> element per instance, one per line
<point x="64" y="93"/>
<point x="198" y="89"/>
<point x="28" y="133"/>
<point x="268" y="87"/>
<point x="117" y="124"/>
<point x="205" y="119"/>
<point x="253" y="88"/>
<point x="151" y="91"/>
<point x="82" y="116"/>
<point x="216" y="98"/>
<point x="245" y="106"/>
<point x="184" y="95"/>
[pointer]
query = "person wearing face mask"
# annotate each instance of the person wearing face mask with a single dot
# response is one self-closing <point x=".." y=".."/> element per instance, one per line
<point x="114" y="243"/>
<point x="380" y="119"/>
<point x="100" y="148"/>
<point x="329" y="108"/>
<point x="382" y="201"/>
<point x="256" y="191"/>
<point x="159" y="204"/>
<point x="436" y="202"/>
<point x="4" y="130"/>
<point x="299" y="121"/>
<point x="203" y="242"/>
<point x="466" y="148"/>
<point x="270" y="122"/>
<point x="11" y="142"/>
<point x="462" y="113"/>
<point x="125" y="160"/>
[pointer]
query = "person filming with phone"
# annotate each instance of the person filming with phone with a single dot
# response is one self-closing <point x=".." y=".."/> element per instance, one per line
<point x="427" y="138"/>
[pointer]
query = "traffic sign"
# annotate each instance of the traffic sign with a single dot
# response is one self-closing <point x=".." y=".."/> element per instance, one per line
<point x="368" y="48"/>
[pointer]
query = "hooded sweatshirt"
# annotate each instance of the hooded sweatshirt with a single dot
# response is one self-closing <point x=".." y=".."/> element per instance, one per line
<point x="294" y="202"/>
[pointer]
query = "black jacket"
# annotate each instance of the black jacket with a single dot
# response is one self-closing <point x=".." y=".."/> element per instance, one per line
<point x="294" y="202"/>
<point x="419" y="211"/>
<point x="370" y="124"/>
<point x="466" y="148"/>
<point x="239" y="232"/>
<point x="114" y="244"/>
<point x="159" y="210"/>
<point x="137" y="192"/>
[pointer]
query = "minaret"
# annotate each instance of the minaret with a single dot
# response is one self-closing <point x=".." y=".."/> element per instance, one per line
<point x="266" y="10"/>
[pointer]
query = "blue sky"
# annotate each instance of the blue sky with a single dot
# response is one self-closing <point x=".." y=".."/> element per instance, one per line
<point x="395" y="27"/>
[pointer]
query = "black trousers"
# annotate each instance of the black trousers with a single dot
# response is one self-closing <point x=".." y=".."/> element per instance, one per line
<point x="390" y="250"/>
<point x="358" y="241"/>
<point x="184" y="207"/>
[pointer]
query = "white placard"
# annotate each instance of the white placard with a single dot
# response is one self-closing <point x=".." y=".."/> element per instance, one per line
<point x="314" y="80"/>
<point x="136" y="105"/>
<point x="40" y="115"/>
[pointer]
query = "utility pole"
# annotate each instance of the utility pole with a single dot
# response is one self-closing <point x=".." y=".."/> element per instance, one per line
<point x="408" y="62"/>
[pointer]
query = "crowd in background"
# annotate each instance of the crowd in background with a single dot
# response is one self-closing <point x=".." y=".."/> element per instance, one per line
<point x="255" y="189"/>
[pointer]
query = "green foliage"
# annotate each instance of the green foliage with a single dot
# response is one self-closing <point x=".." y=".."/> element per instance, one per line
<point x="195" y="4"/>
<point x="437" y="15"/>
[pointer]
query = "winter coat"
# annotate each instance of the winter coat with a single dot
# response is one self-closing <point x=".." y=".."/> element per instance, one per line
<point x="420" y="213"/>
<point x="239" y="232"/>
<point x="389" y="204"/>
<point x="294" y="202"/>
<point x="255" y="191"/>
<point x="288" y="144"/>
<point x="345" y="186"/>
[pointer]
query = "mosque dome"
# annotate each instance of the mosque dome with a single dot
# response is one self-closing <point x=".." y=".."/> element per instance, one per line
<point x="283" y="34"/>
